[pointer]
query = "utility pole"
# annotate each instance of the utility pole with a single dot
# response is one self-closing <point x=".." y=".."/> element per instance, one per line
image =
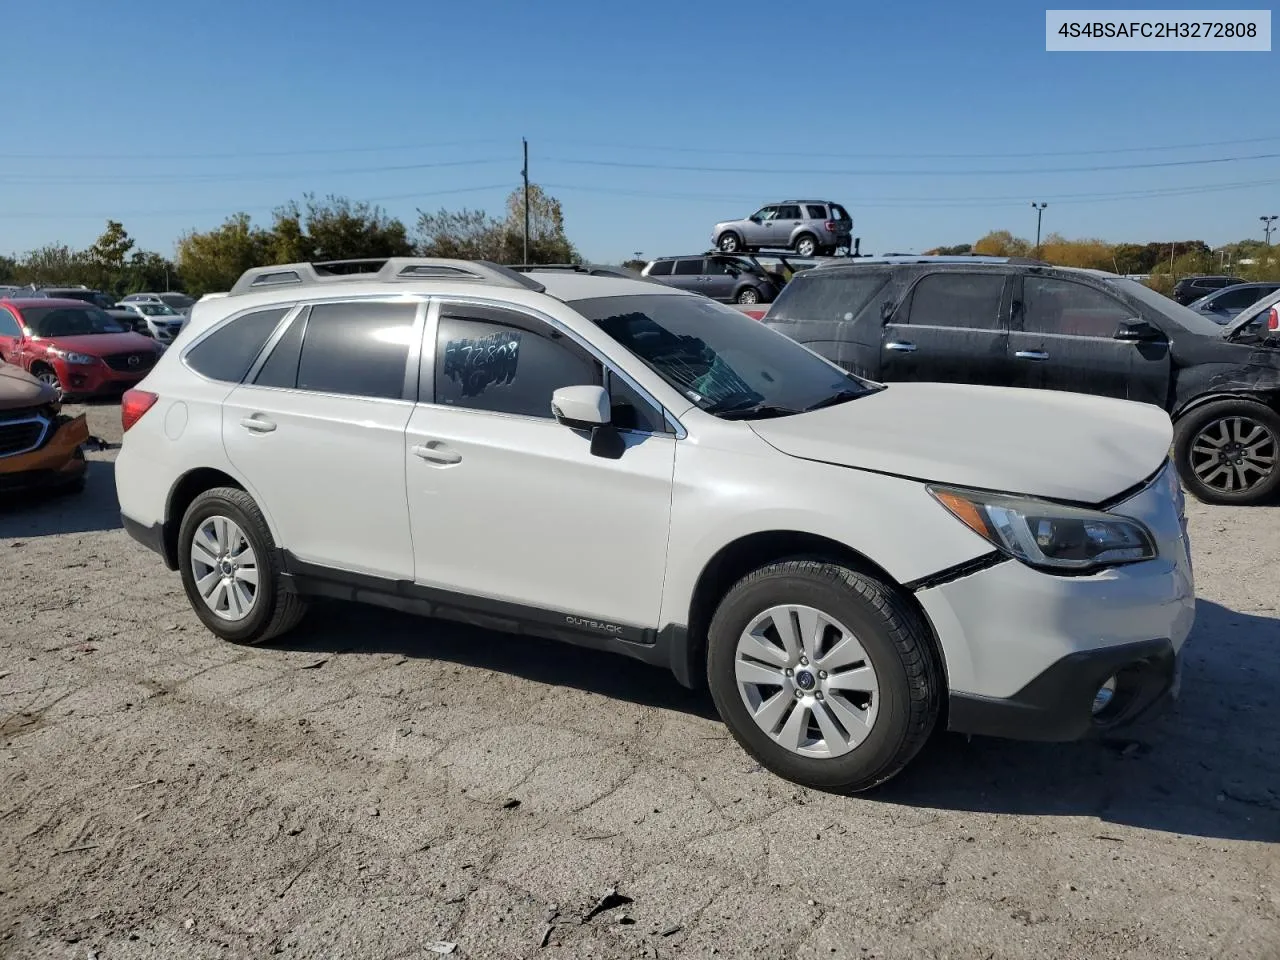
<point x="525" y="173"/>
<point x="1268" y="224"/>
<point x="1039" y="209"/>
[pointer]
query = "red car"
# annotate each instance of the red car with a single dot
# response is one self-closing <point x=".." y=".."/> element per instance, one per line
<point x="73" y="346"/>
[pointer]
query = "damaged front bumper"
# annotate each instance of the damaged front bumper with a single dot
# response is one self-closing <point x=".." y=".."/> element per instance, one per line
<point x="58" y="462"/>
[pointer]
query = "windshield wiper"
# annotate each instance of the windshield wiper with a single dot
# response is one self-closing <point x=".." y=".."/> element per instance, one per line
<point x="835" y="398"/>
<point x="756" y="411"/>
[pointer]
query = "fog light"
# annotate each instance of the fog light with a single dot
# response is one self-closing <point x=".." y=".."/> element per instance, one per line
<point x="1102" y="699"/>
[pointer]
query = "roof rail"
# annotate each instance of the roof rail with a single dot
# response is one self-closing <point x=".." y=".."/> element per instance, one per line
<point x="381" y="270"/>
<point x="588" y="268"/>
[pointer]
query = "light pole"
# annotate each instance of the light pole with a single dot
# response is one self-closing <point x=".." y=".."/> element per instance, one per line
<point x="1268" y="224"/>
<point x="1039" y="209"/>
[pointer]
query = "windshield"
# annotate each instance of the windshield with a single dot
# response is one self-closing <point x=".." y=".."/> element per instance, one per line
<point x="155" y="309"/>
<point x="1182" y="316"/>
<point x="721" y="359"/>
<point x="179" y="301"/>
<point x="69" y="321"/>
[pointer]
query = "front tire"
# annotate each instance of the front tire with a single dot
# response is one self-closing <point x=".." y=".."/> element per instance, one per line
<point x="729" y="242"/>
<point x="823" y="674"/>
<point x="230" y="569"/>
<point x="46" y="374"/>
<point x="1228" y="452"/>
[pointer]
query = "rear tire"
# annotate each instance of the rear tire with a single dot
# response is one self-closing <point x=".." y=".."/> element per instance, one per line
<point x="877" y="730"/>
<point x="1228" y="452"/>
<point x="748" y="295"/>
<point x="806" y="245"/>
<point x="273" y="609"/>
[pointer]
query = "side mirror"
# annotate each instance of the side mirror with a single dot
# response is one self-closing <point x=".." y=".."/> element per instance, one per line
<point x="581" y="408"/>
<point x="1138" y="331"/>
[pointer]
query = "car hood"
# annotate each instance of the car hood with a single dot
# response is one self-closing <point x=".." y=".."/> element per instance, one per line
<point x="103" y="344"/>
<point x="1062" y="446"/>
<point x="18" y="389"/>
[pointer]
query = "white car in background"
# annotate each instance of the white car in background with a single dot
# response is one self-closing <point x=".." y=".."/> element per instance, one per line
<point x="179" y="302"/>
<point x="621" y="465"/>
<point x="162" y="322"/>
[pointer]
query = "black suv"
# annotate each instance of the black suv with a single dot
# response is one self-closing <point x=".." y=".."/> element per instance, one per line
<point x="1190" y="289"/>
<point x="1022" y="323"/>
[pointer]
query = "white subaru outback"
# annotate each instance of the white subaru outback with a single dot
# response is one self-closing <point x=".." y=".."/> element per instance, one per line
<point x="614" y="463"/>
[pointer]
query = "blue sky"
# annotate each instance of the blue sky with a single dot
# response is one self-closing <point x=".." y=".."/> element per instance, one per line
<point x="171" y="116"/>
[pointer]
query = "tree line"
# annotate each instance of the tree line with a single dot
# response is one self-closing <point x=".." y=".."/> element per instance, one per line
<point x="1164" y="263"/>
<point x="335" y="228"/>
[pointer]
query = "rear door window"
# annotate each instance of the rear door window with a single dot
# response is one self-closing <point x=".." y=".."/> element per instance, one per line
<point x="789" y="212"/>
<point x="688" y="268"/>
<point x="357" y="349"/>
<point x="229" y="351"/>
<point x="970" y="300"/>
<point x="1237" y="298"/>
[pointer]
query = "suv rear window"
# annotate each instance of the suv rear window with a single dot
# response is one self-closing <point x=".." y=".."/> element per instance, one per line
<point x="837" y="295"/>
<point x="229" y="352"/>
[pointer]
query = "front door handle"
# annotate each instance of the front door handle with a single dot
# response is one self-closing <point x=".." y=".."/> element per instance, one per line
<point x="1031" y="355"/>
<point x="257" y="424"/>
<point x="436" y="452"/>
<point x="900" y="346"/>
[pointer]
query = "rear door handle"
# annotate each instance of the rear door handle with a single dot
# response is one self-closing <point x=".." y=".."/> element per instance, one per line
<point x="1031" y="355"/>
<point x="257" y="424"/>
<point x="434" y="451"/>
<point x="900" y="346"/>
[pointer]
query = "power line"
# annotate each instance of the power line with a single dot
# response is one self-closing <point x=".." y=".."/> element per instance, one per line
<point x="631" y="165"/>
<point x="305" y="152"/>
<point x="1003" y="155"/>
<point x="909" y="202"/>
<point x="233" y="209"/>
<point x="242" y="178"/>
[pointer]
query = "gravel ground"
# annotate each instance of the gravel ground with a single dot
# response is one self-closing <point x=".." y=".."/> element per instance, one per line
<point x="382" y="787"/>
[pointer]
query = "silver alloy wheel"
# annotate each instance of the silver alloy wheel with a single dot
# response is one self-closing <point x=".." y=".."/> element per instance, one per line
<point x="749" y="295"/>
<point x="225" y="568"/>
<point x="51" y="378"/>
<point x="1233" y="454"/>
<point x="729" y="243"/>
<point x="806" y="681"/>
<point x="806" y="247"/>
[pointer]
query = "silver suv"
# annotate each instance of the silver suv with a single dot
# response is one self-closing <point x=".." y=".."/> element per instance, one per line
<point x="809" y="227"/>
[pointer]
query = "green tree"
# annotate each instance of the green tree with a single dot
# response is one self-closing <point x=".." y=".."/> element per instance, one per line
<point x="147" y="271"/>
<point x="959" y="250"/>
<point x="474" y="235"/>
<point x="214" y="260"/>
<point x="336" y="229"/>
<point x="55" y="263"/>
<point x="8" y="269"/>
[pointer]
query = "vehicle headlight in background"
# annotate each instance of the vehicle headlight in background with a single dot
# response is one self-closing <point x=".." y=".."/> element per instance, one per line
<point x="1048" y="535"/>
<point x="82" y="359"/>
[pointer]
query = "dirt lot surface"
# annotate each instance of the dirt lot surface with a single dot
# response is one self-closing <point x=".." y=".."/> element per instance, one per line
<point x="383" y="787"/>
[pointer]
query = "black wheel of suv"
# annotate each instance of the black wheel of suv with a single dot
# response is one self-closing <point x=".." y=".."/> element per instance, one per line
<point x="806" y="245"/>
<point x="824" y="675"/>
<point x="1228" y="451"/>
<point x="748" y="295"/>
<point x="729" y="242"/>
<point x="230" y="571"/>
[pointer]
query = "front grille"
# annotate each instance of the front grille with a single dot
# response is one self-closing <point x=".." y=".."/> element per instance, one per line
<point x="131" y="362"/>
<point x="21" y="436"/>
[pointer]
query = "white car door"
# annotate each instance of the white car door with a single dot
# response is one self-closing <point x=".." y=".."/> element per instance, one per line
<point x="508" y="505"/>
<point x="317" y="431"/>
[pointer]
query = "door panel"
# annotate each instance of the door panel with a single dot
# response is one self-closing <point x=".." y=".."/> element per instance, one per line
<point x="1066" y="342"/>
<point x="508" y="504"/>
<point x="952" y="329"/>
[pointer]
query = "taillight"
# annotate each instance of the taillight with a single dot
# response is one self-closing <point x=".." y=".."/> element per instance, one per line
<point x="133" y="405"/>
<point x="831" y="226"/>
<point x="1273" y="319"/>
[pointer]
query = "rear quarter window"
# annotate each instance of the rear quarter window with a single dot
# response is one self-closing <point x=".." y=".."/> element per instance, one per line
<point x="229" y="351"/>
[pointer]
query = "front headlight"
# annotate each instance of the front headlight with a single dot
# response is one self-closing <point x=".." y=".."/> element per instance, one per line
<point x="1047" y="535"/>
<point x="82" y="359"/>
